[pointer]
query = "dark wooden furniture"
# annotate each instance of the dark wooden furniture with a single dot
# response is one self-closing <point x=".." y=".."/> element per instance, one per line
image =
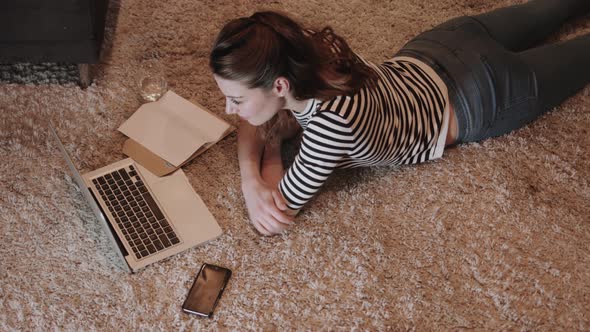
<point x="64" y="31"/>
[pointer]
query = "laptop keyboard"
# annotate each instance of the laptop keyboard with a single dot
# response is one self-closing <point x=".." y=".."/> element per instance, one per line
<point x="136" y="212"/>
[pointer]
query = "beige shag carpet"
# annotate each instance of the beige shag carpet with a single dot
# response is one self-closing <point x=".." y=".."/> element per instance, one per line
<point x="495" y="236"/>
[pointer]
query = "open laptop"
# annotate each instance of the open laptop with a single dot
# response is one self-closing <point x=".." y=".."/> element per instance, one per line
<point x="146" y="218"/>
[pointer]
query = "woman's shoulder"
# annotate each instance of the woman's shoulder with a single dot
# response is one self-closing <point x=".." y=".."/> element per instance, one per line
<point x="339" y="110"/>
<point x="336" y="105"/>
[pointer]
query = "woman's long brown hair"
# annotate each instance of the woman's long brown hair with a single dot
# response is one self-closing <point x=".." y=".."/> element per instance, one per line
<point x="258" y="49"/>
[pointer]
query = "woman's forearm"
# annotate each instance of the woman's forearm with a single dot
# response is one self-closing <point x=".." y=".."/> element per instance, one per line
<point x="257" y="159"/>
<point x="272" y="169"/>
<point x="250" y="149"/>
<point x="261" y="160"/>
<point x="261" y="168"/>
<point x="266" y="208"/>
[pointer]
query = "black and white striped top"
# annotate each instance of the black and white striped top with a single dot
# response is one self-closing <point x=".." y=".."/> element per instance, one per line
<point x="402" y="119"/>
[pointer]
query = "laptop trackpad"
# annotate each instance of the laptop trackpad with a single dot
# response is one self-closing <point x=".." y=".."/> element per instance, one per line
<point x="185" y="208"/>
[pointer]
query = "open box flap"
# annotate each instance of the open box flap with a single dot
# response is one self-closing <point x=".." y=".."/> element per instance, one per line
<point x="166" y="134"/>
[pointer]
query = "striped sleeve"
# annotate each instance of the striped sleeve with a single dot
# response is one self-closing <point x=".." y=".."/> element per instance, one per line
<point x="326" y="141"/>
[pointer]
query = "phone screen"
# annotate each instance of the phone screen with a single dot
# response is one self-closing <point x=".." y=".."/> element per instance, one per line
<point x="206" y="290"/>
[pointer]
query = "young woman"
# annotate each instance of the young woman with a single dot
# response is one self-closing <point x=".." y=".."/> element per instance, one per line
<point x="466" y="80"/>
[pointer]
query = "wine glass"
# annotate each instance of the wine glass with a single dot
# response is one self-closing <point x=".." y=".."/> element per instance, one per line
<point x="152" y="87"/>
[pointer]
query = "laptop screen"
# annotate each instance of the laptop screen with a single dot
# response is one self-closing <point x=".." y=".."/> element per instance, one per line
<point x="91" y="202"/>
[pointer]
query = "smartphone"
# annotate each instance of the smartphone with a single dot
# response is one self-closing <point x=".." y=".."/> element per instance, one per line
<point x="206" y="290"/>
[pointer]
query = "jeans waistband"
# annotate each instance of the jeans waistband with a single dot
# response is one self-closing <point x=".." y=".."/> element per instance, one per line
<point x="465" y="83"/>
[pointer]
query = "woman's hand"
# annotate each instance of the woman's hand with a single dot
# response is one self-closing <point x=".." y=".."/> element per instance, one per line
<point x="266" y="207"/>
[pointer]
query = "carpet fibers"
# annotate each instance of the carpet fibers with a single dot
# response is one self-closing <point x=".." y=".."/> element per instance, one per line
<point x="493" y="236"/>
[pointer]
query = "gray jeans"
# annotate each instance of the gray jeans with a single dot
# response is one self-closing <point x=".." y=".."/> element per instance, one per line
<point x="496" y="81"/>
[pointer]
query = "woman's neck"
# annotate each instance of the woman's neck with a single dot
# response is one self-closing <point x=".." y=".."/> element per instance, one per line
<point x="297" y="106"/>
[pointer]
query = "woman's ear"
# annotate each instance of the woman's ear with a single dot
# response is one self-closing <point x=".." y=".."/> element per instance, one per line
<point x="281" y="86"/>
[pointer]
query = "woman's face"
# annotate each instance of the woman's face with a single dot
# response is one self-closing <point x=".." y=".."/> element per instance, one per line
<point x="253" y="105"/>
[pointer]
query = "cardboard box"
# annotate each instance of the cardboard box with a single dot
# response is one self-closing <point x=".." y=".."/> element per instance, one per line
<point x="168" y="133"/>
